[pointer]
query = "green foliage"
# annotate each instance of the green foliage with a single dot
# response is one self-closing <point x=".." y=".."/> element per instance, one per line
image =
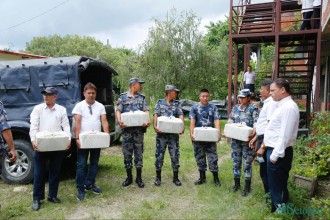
<point x="175" y="53"/>
<point x="314" y="150"/>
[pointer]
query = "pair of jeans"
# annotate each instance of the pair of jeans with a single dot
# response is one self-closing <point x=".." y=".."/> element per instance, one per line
<point x="278" y="174"/>
<point x="263" y="166"/>
<point x="85" y="176"/>
<point x="306" y="24"/>
<point x="55" y="162"/>
<point x="250" y="87"/>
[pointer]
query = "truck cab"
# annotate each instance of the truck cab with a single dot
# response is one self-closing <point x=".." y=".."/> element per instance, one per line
<point x="21" y="83"/>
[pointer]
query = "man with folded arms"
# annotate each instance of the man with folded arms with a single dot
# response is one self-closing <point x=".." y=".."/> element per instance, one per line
<point x="51" y="117"/>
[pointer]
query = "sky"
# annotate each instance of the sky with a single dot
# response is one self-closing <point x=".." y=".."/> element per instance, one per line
<point x="122" y="23"/>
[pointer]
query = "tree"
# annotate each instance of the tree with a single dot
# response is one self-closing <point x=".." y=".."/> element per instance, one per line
<point x="175" y="53"/>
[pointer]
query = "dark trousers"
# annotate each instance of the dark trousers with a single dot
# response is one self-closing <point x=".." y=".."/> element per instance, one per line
<point x="55" y="162"/>
<point x="317" y="13"/>
<point x="250" y="87"/>
<point x="306" y="24"/>
<point x="278" y="175"/>
<point x="263" y="166"/>
<point x="85" y="176"/>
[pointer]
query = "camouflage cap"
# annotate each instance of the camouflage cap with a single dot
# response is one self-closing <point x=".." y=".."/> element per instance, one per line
<point x="133" y="80"/>
<point x="244" y="93"/>
<point x="170" y="87"/>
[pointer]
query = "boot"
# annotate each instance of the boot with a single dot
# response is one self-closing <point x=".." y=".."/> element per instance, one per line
<point x="247" y="188"/>
<point x="216" y="179"/>
<point x="202" y="178"/>
<point x="237" y="185"/>
<point x="176" y="180"/>
<point x="129" y="178"/>
<point x="138" y="179"/>
<point x="158" y="179"/>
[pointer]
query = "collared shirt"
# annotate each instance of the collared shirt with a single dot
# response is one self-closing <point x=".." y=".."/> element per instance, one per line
<point x="264" y="115"/>
<point x="127" y="102"/>
<point x="53" y="119"/>
<point x="282" y="128"/>
<point x="205" y="115"/>
<point x="307" y="5"/>
<point x="3" y="123"/>
<point x="249" y="115"/>
<point x="162" y="108"/>
<point x="90" y="115"/>
<point x="249" y="77"/>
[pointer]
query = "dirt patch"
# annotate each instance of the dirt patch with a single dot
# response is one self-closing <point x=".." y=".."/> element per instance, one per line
<point x="113" y="150"/>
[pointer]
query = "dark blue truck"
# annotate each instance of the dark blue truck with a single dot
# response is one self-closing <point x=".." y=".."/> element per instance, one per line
<point x="21" y="83"/>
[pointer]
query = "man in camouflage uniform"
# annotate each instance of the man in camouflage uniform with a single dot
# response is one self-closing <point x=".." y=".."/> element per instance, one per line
<point x="168" y="106"/>
<point x="128" y="101"/>
<point x="247" y="113"/>
<point x="204" y="114"/>
<point x="6" y="135"/>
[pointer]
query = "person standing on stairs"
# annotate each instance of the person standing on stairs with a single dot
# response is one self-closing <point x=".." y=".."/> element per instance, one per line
<point x="248" y="79"/>
<point x="204" y="114"/>
<point x="307" y="12"/>
<point x="168" y="107"/>
<point x="247" y="113"/>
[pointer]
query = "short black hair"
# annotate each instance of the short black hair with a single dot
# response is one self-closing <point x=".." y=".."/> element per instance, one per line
<point x="267" y="82"/>
<point x="280" y="83"/>
<point x="203" y="90"/>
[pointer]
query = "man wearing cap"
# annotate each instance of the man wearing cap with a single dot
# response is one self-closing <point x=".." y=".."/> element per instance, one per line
<point x="89" y="115"/>
<point x="51" y="117"/>
<point x="247" y="113"/>
<point x="168" y="107"/>
<point x="128" y="101"/>
<point x="204" y="114"/>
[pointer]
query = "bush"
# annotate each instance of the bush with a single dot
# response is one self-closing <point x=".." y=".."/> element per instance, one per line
<point x="312" y="153"/>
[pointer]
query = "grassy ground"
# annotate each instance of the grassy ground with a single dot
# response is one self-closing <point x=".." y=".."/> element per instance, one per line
<point x="165" y="202"/>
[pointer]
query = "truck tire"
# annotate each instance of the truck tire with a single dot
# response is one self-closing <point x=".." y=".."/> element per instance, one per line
<point x="20" y="172"/>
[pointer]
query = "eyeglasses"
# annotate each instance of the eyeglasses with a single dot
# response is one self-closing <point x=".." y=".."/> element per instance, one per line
<point x="90" y="110"/>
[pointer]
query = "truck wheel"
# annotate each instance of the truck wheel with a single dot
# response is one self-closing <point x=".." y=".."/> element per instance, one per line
<point x="21" y="171"/>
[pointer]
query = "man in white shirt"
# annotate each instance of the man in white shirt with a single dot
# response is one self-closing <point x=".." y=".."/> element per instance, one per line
<point x="280" y="135"/>
<point x="51" y="117"/>
<point x="89" y="115"/>
<point x="249" y="78"/>
<point x="266" y="112"/>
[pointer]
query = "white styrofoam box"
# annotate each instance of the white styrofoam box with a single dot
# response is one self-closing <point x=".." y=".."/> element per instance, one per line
<point x="94" y="139"/>
<point x="238" y="131"/>
<point x="52" y="141"/>
<point x="170" y="124"/>
<point x="208" y="134"/>
<point x="133" y="119"/>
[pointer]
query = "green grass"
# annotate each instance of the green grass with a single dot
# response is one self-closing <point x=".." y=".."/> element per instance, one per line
<point x="165" y="202"/>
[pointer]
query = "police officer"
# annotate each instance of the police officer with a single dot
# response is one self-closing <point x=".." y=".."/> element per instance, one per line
<point x="168" y="106"/>
<point x="128" y="101"/>
<point x="204" y="114"/>
<point x="247" y="113"/>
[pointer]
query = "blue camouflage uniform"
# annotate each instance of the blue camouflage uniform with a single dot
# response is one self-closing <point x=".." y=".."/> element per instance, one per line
<point x="240" y="148"/>
<point x="3" y="125"/>
<point x="166" y="139"/>
<point x="132" y="136"/>
<point x="205" y="117"/>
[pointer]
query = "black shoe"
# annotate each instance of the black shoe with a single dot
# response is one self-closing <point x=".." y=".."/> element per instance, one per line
<point x="200" y="181"/>
<point x="177" y="182"/>
<point x="127" y="182"/>
<point x="157" y="182"/>
<point x="247" y="188"/>
<point x="54" y="200"/>
<point x="36" y="205"/>
<point x="216" y="179"/>
<point x="237" y="185"/>
<point x="140" y="183"/>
